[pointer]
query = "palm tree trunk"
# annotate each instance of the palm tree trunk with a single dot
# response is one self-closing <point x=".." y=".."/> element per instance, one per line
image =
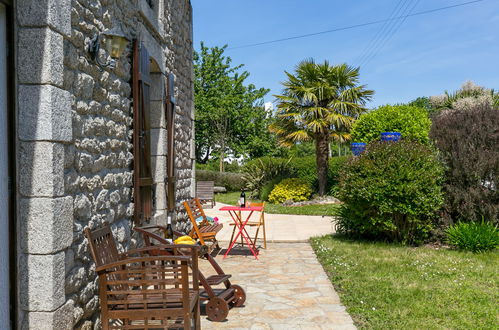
<point x="322" y="159"/>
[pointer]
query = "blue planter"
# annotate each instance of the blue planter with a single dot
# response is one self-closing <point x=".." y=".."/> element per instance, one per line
<point x="357" y="148"/>
<point x="390" y="136"/>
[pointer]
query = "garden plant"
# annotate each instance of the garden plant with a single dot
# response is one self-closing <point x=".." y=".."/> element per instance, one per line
<point x="391" y="191"/>
<point x="319" y="103"/>
<point x="412" y="122"/>
<point x="468" y="141"/>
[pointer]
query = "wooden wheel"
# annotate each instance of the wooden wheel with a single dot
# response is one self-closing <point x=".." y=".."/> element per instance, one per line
<point x="240" y="296"/>
<point x="217" y="309"/>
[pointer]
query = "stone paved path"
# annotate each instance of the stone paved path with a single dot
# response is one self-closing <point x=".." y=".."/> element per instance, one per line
<point x="286" y="288"/>
<point x="279" y="227"/>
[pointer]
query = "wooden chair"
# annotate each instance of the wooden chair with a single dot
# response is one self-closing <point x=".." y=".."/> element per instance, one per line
<point x="205" y="191"/>
<point x="204" y="231"/>
<point x="257" y="224"/>
<point x="139" y="290"/>
<point x="218" y="300"/>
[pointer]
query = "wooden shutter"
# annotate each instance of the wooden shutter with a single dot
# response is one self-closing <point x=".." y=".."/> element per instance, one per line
<point x="170" y="127"/>
<point x="141" y="134"/>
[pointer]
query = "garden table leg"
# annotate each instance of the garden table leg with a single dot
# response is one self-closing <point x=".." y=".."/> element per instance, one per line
<point x="242" y="231"/>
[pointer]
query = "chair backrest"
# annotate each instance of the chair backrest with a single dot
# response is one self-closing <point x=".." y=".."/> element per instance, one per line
<point x="103" y="248"/>
<point x="262" y="205"/>
<point x="194" y="211"/>
<point x="205" y="189"/>
<point x="153" y="285"/>
<point x="102" y="245"/>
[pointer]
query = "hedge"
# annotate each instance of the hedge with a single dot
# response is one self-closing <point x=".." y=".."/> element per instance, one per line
<point x="231" y="181"/>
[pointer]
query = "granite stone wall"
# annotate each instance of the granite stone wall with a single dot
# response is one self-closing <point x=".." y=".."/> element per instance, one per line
<point x="75" y="143"/>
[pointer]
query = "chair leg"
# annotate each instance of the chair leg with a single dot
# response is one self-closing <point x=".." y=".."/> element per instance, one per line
<point x="233" y="232"/>
<point x="256" y="235"/>
<point x="187" y="320"/>
<point x="105" y="323"/>
<point x="264" y="238"/>
<point x="264" y="233"/>
<point x="197" y="315"/>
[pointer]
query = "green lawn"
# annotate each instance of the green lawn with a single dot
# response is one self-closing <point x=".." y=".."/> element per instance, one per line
<point x="395" y="287"/>
<point x="328" y="210"/>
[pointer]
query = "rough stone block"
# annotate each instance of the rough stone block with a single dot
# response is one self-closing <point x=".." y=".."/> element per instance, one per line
<point x="158" y="165"/>
<point x="46" y="224"/>
<point x="158" y="119"/>
<point x="44" y="113"/>
<point x="41" y="169"/>
<point x="157" y="87"/>
<point x="40" y="13"/>
<point x="42" y="282"/>
<point x="158" y="142"/>
<point x="40" y="57"/>
<point x="60" y="319"/>
<point x="153" y="17"/>
<point x="160" y="195"/>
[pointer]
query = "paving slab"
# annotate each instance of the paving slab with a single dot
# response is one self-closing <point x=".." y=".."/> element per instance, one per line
<point x="286" y="288"/>
<point x="279" y="227"/>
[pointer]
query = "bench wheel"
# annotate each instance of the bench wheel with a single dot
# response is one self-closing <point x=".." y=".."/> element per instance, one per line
<point x="217" y="309"/>
<point x="240" y="296"/>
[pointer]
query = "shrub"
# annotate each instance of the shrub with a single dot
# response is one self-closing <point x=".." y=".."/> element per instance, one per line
<point x="468" y="140"/>
<point x="305" y="168"/>
<point x="261" y="170"/>
<point x="214" y="165"/>
<point x="231" y="181"/>
<point x="267" y="188"/>
<point x="290" y="189"/>
<point x="473" y="236"/>
<point x="391" y="192"/>
<point x="412" y="122"/>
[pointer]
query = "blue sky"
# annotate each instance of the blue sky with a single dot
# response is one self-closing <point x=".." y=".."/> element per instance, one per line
<point x="426" y="55"/>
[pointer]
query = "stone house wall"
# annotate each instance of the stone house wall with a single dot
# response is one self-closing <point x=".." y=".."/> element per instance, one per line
<point x="74" y="144"/>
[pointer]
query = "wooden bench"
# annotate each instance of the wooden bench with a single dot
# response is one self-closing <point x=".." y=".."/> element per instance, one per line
<point x="219" y="300"/>
<point x="140" y="289"/>
<point x="205" y="192"/>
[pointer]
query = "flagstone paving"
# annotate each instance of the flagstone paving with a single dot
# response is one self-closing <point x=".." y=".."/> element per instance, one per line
<point x="279" y="227"/>
<point x="286" y="288"/>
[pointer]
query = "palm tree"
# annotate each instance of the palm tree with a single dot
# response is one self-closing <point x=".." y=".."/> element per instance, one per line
<point x="319" y="103"/>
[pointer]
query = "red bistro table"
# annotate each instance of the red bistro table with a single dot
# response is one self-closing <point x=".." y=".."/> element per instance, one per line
<point x="236" y="214"/>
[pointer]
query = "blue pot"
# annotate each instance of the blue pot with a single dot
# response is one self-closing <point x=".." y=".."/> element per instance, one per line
<point x="390" y="136"/>
<point x="357" y="148"/>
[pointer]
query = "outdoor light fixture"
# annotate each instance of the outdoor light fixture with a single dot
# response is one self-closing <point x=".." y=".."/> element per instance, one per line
<point x="115" y="43"/>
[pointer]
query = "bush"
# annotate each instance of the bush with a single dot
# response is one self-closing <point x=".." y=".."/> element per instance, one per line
<point x="391" y="192"/>
<point x="412" y="122"/>
<point x="261" y="170"/>
<point x="214" y="165"/>
<point x="468" y="140"/>
<point x="290" y="189"/>
<point x="267" y="188"/>
<point x="231" y="181"/>
<point x="474" y="236"/>
<point x="305" y="168"/>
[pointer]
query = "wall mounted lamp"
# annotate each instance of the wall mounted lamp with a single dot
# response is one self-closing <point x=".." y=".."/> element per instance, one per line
<point x="115" y="44"/>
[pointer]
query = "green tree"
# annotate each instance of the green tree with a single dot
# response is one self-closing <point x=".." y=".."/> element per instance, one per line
<point x="319" y="103"/>
<point x="229" y="114"/>
<point x="412" y="122"/>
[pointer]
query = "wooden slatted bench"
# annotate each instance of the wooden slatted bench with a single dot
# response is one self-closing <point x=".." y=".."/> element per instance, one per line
<point x="205" y="191"/>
